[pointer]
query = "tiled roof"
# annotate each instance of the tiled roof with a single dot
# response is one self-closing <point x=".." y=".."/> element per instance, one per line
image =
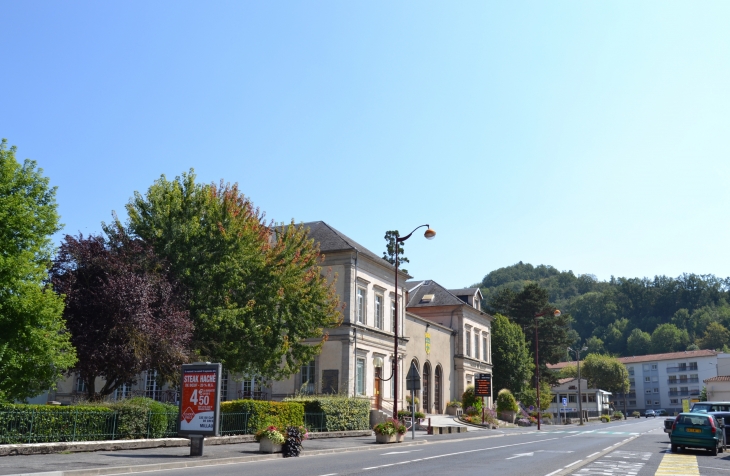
<point x="566" y="380"/>
<point x="331" y="240"/>
<point x="721" y="378"/>
<point x="688" y="354"/>
<point x="464" y="291"/>
<point x="441" y="296"/>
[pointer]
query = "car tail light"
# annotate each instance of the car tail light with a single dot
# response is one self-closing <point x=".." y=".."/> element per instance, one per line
<point x="712" y="425"/>
<point x="674" y="425"/>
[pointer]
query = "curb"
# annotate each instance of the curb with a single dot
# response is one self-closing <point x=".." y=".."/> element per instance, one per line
<point x="195" y="464"/>
<point x="117" y="445"/>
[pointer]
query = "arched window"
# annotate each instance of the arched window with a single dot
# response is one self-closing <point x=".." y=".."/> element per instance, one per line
<point x="437" y="385"/>
<point x="426" y="387"/>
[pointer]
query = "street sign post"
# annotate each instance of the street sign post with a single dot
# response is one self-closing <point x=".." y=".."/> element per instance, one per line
<point x="483" y="388"/>
<point x="199" y="403"/>
<point x="413" y="383"/>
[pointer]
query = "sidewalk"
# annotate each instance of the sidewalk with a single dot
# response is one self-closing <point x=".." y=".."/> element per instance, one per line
<point x="116" y="462"/>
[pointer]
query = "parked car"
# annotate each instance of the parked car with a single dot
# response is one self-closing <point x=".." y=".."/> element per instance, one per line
<point x="660" y="412"/>
<point x="698" y="430"/>
<point x="720" y="410"/>
<point x="649" y="413"/>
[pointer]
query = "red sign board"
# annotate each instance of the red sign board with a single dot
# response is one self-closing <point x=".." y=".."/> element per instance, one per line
<point x="200" y="402"/>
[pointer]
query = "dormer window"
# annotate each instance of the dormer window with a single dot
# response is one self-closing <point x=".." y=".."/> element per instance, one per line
<point x="427" y="298"/>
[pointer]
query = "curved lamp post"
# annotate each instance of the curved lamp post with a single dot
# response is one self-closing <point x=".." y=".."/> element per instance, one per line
<point x="539" y="315"/>
<point x="580" y="398"/>
<point x="429" y="235"/>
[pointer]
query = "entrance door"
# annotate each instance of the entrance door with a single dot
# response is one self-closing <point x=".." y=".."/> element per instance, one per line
<point x="426" y="387"/>
<point x="437" y="391"/>
<point x="378" y="387"/>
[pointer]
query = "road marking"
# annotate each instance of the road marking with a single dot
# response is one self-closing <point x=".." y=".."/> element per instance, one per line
<point x="674" y="464"/>
<point x="459" y="453"/>
<point x="571" y="464"/>
<point x="520" y="455"/>
<point x="710" y="467"/>
<point x="594" y="454"/>
<point x="556" y="471"/>
<point x="397" y="453"/>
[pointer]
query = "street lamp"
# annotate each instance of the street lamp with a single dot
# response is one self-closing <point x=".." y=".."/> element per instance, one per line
<point x="580" y="398"/>
<point x="538" y="315"/>
<point x="429" y="235"/>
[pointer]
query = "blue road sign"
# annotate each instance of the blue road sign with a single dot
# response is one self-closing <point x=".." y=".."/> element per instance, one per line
<point x="565" y="402"/>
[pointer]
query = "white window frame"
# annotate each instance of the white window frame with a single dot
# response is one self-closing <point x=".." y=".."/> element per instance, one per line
<point x="654" y="366"/>
<point x="392" y="315"/>
<point x="151" y="389"/>
<point x="122" y="392"/>
<point x="647" y="379"/>
<point x="476" y="344"/>
<point x="308" y="373"/>
<point x="360" y="371"/>
<point x="648" y="402"/>
<point x="362" y="297"/>
<point x="80" y="385"/>
<point x="379" y="311"/>
<point x="468" y="343"/>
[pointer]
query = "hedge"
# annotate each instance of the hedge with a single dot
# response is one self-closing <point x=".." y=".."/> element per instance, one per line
<point x="341" y="413"/>
<point x="261" y="414"/>
<point x="49" y="423"/>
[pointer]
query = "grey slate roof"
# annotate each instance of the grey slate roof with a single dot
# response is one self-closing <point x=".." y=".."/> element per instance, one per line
<point x="464" y="291"/>
<point x="442" y="296"/>
<point x="331" y="240"/>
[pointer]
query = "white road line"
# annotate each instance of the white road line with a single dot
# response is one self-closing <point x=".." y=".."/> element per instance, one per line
<point x="707" y="467"/>
<point x="594" y="454"/>
<point x="574" y="462"/>
<point x="557" y="471"/>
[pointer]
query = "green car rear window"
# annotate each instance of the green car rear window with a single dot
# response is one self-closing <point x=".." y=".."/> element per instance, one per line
<point x="694" y="420"/>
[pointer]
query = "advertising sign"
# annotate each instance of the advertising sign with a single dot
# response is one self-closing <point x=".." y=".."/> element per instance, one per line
<point x="483" y="385"/>
<point x="428" y="343"/>
<point x="200" y="399"/>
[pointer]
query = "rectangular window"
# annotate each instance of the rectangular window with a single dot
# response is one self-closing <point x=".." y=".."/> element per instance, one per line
<point x="360" y="376"/>
<point x="80" y="386"/>
<point x="654" y="366"/>
<point x="476" y="345"/>
<point x="631" y="371"/>
<point x="655" y="379"/>
<point x="632" y="402"/>
<point x="224" y="385"/>
<point x="656" y="402"/>
<point x="648" y="390"/>
<point x="673" y="379"/>
<point x="378" y="311"/>
<point x="485" y="353"/>
<point x="591" y="398"/>
<point x="308" y="378"/>
<point x="468" y="344"/>
<point x="674" y="401"/>
<point x="632" y="382"/>
<point x="572" y="399"/>
<point x="150" y="385"/>
<point x="585" y="398"/>
<point x="392" y="315"/>
<point x="693" y="365"/>
<point x="656" y="390"/>
<point x="648" y="402"/>
<point x="647" y="367"/>
<point x="361" y="305"/>
<point x="647" y="379"/>
<point x="682" y="367"/>
<point x="122" y="392"/>
<point x="555" y="398"/>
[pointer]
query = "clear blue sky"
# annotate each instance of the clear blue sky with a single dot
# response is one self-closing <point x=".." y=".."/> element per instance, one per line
<point x="592" y="136"/>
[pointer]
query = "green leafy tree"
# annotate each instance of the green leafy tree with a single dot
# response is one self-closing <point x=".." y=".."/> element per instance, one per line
<point x="392" y="245"/>
<point x="256" y="292"/>
<point x="667" y="338"/>
<point x="528" y="397"/>
<point x="595" y="345"/>
<point x="716" y="336"/>
<point x="569" y="371"/>
<point x="605" y="372"/>
<point x="35" y="349"/>
<point x="638" y="343"/>
<point x="510" y="355"/>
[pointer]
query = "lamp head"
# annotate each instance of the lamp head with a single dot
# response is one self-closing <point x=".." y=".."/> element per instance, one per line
<point x="556" y="313"/>
<point x="430" y="234"/>
<point x="584" y="348"/>
<point x="377" y="362"/>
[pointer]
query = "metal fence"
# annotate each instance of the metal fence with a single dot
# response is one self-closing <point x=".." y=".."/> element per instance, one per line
<point x="32" y="426"/>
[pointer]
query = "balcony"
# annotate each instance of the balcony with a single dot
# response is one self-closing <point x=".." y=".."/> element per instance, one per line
<point x="683" y="381"/>
<point x="671" y="370"/>
<point x="680" y="393"/>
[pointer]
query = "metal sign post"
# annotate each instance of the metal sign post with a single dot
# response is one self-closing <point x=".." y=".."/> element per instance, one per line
<point x="200" y="386"/>
<point x="413" y="383"/>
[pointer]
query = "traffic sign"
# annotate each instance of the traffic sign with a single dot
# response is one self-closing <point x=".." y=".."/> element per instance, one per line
<point x="565" y="402"/>
<point x="413" y="379"/>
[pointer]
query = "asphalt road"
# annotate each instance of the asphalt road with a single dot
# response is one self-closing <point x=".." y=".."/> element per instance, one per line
<point x="631" y="448"/>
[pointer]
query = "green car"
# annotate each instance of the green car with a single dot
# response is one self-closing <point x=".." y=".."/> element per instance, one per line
<point x="698" y="430"/>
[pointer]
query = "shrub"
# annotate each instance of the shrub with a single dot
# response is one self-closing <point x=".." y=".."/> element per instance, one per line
<point x="617" y="416"/>
<point x="131" y="420"/>
<point x="635" y="414"/>
<point x="263" y="414"/>
<point x="23" y="423"/>
<point x="271" y="432"/>
<point x="406" y="413"/>
<point x="162" y="417"/>
<point x="455" y="404"/>
<point x="506" y="401"/>
<point x="605" y="418"/>
<point x="468" y="399"/>
<point x="341" y="413"/>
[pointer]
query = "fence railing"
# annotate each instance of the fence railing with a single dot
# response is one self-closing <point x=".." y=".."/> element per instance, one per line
<point x="31" y="426"/>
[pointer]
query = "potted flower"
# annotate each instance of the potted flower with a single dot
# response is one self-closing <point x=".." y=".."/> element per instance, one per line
<point x="270" y="440"/>
<point x="389" y="431"/>
<point x="453" y="408"/>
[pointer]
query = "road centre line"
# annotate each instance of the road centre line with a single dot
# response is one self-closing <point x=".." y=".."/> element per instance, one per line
<point x="571" y="464"/>
<point x="594" y="454"/>
<point x="458" y="453"/>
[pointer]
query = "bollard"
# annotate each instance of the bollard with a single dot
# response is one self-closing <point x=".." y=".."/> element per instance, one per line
<point x="197" y="442"/>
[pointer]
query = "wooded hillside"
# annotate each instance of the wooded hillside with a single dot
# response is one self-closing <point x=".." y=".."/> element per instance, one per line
<point x="626" y="316"/>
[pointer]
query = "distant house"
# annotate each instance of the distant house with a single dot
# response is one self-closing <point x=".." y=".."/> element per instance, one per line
<point x="663" y="380"/>
<point x="595" y="402"/>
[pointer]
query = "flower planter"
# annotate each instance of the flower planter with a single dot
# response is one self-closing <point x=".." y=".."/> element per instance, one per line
<point x="388" y="438"/>
<point x="399" y="437"/>
<point x="454" y="411"/>
<point x="268" y="446"/>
